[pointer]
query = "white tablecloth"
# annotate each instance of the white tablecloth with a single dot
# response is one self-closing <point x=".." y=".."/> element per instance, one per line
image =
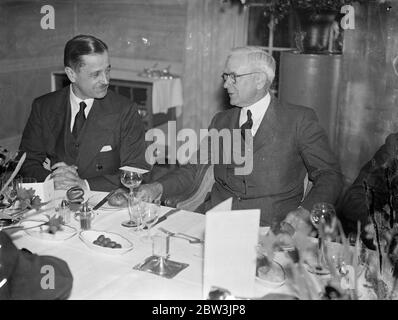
<point x="100" y="276"/>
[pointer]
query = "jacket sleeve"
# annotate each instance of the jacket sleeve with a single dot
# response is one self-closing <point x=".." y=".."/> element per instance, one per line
<point x="32" y="277"/>
<point x="181" y="180"/>
<point x="322" y="165"/>
<point x="132" y="150"/>
<point x="32" y="144"/>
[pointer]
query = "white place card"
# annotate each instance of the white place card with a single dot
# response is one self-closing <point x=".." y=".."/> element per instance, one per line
<point x="133" y="169"/>
<point x="230" y="251"/>
<point x="45" y="190"/>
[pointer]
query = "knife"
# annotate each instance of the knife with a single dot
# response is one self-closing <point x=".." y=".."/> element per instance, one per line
<point x="165" y="216"/>
<point x="101" y="203"/>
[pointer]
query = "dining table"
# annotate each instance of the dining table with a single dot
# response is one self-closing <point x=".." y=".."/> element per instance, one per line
<point x="97" y="275"/>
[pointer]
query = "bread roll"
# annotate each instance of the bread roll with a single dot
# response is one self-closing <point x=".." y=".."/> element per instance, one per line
<point x="118" y="199"/>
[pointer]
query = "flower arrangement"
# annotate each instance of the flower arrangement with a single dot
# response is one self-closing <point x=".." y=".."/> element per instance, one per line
<point x="280" y="8"/>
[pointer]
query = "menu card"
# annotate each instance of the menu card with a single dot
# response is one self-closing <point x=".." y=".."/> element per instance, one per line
<point x="45" y="190"/>
<point x="230" y="251"/>
<point x="134" y="169"/>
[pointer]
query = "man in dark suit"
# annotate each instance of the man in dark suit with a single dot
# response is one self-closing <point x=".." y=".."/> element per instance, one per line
<point x="27" y="276"/>
<point x="353" y="207"/>
<point x="288" y="143"/>
<point x="86" y="131"/>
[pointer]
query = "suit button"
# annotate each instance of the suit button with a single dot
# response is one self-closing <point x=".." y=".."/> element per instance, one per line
<point x="76" y="145"/>
<point x="99" y="167"/>
<point x="239" y="199"/>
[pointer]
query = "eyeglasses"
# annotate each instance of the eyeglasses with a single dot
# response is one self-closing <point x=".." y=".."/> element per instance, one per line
<point x="233" y="76"/>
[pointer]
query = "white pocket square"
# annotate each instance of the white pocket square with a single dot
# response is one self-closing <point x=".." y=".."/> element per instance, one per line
<point x="106" y="148"/>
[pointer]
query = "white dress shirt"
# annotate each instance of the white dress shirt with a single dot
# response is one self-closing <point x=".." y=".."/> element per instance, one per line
<point x="75" y="107"/>
<point x="258" y="110"/>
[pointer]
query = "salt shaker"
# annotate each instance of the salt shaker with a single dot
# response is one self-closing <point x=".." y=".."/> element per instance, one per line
<point x="85" y="217"/>
<point x="65" y="212"/>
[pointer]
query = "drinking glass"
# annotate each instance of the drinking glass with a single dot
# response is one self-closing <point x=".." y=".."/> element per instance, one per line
<point x="135" y="213"/>
<point x="150" y="216"/>
<point x="132" y="180"/>
<point x="323" y="218"/>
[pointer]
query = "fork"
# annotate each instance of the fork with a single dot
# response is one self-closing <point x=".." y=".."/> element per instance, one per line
<point x="181" y="236"/>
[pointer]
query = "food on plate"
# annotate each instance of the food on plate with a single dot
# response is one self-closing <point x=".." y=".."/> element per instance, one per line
<point x="106" y="242"/>
<point x="75" y="195"/>
<point x="119" y="199"/>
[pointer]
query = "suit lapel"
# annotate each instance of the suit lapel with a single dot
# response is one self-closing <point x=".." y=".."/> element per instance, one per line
<point x="268" y="126"/>
<point x="97" y="132"/>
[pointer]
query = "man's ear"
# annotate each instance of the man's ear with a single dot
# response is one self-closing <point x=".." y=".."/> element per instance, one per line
<point x="262" y="81"/>
<point x="71" y="74"/>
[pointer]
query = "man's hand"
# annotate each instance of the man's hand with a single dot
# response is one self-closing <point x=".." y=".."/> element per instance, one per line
<point x="65" y="177"/>
<point x="150" y="192"/>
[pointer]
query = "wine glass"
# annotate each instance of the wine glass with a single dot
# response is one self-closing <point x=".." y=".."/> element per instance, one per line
<point x="132" y="180"/>
<point x="150" y="216"/>
<point x="323" y="218"/>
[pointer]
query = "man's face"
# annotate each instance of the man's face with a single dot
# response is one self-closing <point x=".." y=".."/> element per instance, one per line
<point x="91" y="80"/>
<point x="245" y="91"/>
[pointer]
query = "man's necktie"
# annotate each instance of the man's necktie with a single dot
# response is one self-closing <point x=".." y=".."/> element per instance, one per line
<point x="79" y="120"/>
<point x="248" y="124"/>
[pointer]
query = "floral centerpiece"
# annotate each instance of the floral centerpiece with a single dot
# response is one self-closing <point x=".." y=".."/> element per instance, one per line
<point x="316" y="21"/>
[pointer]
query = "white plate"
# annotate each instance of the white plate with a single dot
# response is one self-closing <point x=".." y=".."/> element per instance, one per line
<point x="274" y="278"/>
<point x="40" y="231"/>
<point x="89" y="236"/>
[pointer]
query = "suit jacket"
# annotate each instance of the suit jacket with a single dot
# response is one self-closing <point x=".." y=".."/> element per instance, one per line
<point x="288" y="144"/>
<point x="353" y="205"/>
<point x="24" y="274"/>
<point x="112" y="121"/>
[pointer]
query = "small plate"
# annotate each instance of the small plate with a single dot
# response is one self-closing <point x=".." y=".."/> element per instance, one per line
<point x="40" y="231"/>
<point x="270" y="276"/>
<point x="89" y="236"/>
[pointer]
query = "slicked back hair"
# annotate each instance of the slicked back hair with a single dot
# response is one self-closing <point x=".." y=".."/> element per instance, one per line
<point x="79" y="46"/>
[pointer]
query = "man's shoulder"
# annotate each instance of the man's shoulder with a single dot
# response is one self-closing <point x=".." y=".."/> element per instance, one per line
<point x="224" y="115"/>
<point x="294" y="110"/>
<point x="51" y="96"/>
<point x="115" y="99"/>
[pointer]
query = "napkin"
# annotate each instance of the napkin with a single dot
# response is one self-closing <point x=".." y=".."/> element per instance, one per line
<point x="230" y="251"/>
<point x="45" y="190"/>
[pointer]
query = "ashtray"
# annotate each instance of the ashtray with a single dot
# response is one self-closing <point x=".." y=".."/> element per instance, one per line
<point x="161" y="266"/>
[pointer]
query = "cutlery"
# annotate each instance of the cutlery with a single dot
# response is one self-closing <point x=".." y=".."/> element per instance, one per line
<point x="105" y="199"/>
<point x="165" y="216"/>
<point x="181" y="236"/>
<point x="27" y="228"/>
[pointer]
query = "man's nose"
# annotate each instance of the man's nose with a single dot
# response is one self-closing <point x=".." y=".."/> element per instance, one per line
<point x="105" y="78"/>
<point x="227" y="83"/>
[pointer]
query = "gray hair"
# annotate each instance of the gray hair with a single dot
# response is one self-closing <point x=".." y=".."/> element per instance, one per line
<point x="258" y="59"/>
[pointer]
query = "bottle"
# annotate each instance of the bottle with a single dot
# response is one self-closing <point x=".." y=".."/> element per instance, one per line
<point x="85" y="217"/>
<point x="65" y="212"/>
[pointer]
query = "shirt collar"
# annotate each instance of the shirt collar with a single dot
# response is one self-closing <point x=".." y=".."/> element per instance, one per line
<point x="75" y="100"/>
<point x="258" y="110"/>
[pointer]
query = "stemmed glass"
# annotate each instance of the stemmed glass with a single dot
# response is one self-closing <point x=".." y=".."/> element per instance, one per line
<point x="323" y="218"/>
<point x="150" y="216"/>
<point x="132" y="180"/>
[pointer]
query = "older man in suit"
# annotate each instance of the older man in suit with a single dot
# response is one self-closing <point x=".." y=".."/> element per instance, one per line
<point x="86" y="131"/>
<point x="288" y="143"/>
